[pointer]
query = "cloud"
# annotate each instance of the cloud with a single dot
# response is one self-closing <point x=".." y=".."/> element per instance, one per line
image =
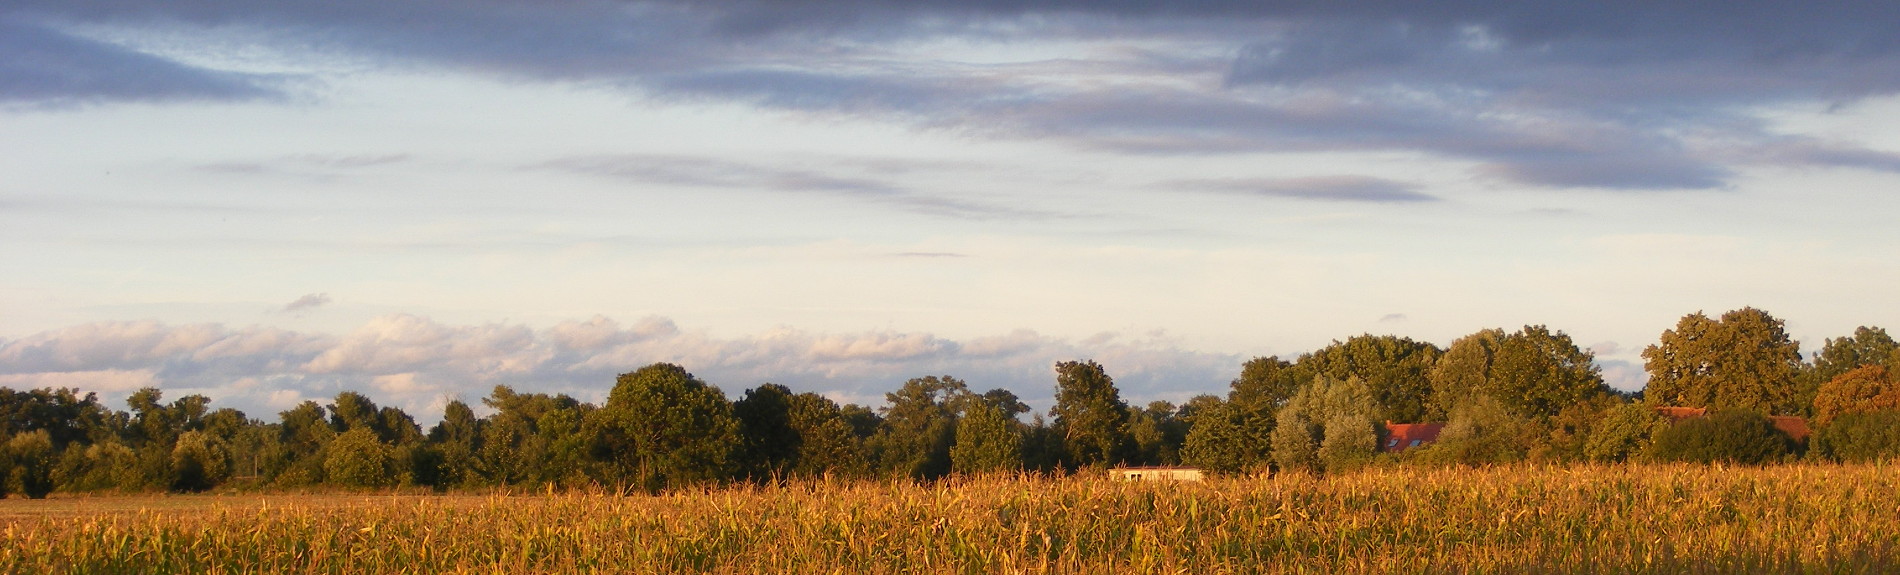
<point x="718" y="173"/>
<point x="412" y="361"/>
<point x="1570" y="93"/>
<point x="308" y="301"/>
<point x="1326" y="188"/>
<point x="47" y="66"/>
<point x="1392" y="318"/>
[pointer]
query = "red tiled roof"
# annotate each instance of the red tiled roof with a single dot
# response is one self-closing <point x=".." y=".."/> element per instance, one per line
<point x="1795" y="426"/>
<point x="1402" y="436"/>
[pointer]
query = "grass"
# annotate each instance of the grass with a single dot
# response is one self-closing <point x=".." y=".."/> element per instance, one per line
<point x="1590" y="519"/>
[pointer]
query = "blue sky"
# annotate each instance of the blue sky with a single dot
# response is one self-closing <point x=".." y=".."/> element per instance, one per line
<point x="267" y="202"/>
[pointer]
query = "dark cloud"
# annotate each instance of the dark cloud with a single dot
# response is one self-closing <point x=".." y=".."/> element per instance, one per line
<point x="1566" y="93"/>
<point x="45" y="66"/>
<point x="1327" y="188"/>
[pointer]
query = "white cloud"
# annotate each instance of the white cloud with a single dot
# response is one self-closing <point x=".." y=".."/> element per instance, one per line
<point x="413" y="361"/>
<point x="104" y="380"/>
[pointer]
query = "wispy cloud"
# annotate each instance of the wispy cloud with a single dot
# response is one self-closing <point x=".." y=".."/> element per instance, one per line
<point x="308" y="301"/>
<point x="720" y="173"/>
<point x="1326" y="188"/>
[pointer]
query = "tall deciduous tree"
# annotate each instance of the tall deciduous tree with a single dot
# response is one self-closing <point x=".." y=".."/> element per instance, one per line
<point x="456" y="440"/>
<point x="827" y="443"/>
<point x="1395" y="369"/>
<point x="1868" y="389"/>
<point x="1745" y="360"/>
<point x="920" y="426"/>
<point x="663" y="428"/>
<point x="987" y="441"/>
<point x="1533" y="372"/>
<point x="1327" y="426"/>
<point x="1091" y="415"/>
<point x="769" y="447"/>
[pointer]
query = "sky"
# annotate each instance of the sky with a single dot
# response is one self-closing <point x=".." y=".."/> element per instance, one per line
<point x="269" y="202"/>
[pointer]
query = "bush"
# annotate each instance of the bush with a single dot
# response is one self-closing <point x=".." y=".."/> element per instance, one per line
<point x="200" y="461"/>
<point x="1858" y="437"/>
<point x="1625" y="431"/>
<point x="1481" y="431"/>
<point x="1726" y="437"/>
<point x="358" y="459"/>
<point x="33" y="460"/>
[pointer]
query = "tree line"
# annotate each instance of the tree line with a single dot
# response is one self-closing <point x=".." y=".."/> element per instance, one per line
<point x="1530" y="394"/>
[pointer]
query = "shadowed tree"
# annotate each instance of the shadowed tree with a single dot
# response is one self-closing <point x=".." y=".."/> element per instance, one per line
<point x="663" y="428"/>
<point x="456" y="440"/>
<point x="769" y="447"/>
<point x="28" y="460"/>
<point x="827" y="441"/>
<point x="200" y="461"/>
<point x="1091" y="415"/>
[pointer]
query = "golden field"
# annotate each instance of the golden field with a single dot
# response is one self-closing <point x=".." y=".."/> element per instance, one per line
<point x="1590" y="519"/>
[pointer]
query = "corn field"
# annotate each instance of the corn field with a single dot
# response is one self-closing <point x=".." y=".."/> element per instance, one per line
<point x="1588" y="519"/>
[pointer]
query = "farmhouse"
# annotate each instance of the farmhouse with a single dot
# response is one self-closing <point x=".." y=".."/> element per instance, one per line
<point x="1403" y="436"/>
<point x="1155" y="474"/>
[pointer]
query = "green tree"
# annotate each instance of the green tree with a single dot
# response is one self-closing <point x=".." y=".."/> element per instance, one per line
<point x="1745" y="360"/>
<point x="457" y="440"/>
<point x="200" y="461"/>
<point x="1868" y="346"/>
<point x="1481" y="430"/>
<point x="358" y="458"/>
<point x="1733" y="436"/>
<point x="1869" y="388"/>
<point x="768" y="446"/>
<point x="919" y="427"/>
<point x="31" y="459"/>
<point x="1159" y="434"/>
<point x="1624" y="432"/>
<point x="1533" y="372"/>
<point x="662" y="428"/>
<point x="1220" y="442"/>
<point x="1325" y="427"/>
<point x="827" y="443"/>
<point x="987" y="441"/>
<point x="1861" y="437"/>
<point x="1396" y="370"/>
<point x="1091" y="415"/>
<point x="304" y="435"/>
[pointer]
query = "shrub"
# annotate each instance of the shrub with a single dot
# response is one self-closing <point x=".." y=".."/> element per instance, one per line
<point x="200" y="461"/>
<point x="33" y="460"/>
<point x="1857" y="437"/>
<point x="1481" y="431"/>
<point x="358" y="459"/>
<point x="1625" y="432"/>
<point x="1727" y="436"/>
